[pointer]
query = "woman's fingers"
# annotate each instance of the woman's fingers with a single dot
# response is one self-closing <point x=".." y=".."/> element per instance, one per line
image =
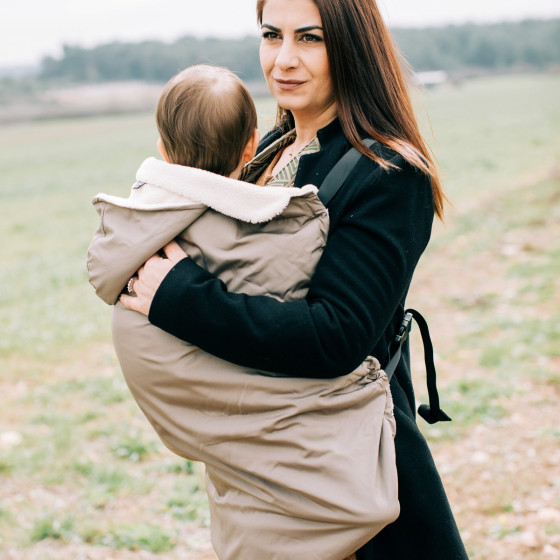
<point x="150" y="276"/>
<point x="135" y="303"/>
<point x="174" y="252"/>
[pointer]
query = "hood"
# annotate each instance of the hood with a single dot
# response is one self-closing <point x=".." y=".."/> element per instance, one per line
<point x="173" y="187"/>
<point x="165" y="201"/>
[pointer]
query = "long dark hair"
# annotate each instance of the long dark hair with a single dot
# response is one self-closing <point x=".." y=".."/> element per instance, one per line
<point x="369" y="84"/>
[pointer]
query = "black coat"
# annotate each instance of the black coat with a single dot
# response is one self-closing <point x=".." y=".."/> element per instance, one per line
<point x="380" y="223"/>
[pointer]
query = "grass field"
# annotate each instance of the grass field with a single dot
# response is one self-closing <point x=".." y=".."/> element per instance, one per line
<point x="82" y="475"/>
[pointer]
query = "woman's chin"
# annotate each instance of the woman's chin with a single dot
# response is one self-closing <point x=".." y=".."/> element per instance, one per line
<point x="287" y="102"/>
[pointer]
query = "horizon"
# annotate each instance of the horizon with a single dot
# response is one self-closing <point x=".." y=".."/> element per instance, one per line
<point x="28" y="67"/>
<point x="26" y="40"/>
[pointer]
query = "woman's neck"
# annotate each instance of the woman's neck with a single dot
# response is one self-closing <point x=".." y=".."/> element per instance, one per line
<point x="306" y="127"/>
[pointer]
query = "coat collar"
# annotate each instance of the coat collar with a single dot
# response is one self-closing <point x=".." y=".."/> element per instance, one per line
<point x="163" y="186"/>
<point x="313" y="168"/>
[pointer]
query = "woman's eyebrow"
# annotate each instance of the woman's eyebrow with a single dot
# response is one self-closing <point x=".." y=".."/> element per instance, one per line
<point x="299" y="30"/>
<point x="308" y="28"/>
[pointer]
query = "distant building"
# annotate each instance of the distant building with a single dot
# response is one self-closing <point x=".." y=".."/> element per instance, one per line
<point x="432" y="78"/>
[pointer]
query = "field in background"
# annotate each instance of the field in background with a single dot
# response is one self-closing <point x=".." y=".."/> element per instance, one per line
<point x="81" y="472"/>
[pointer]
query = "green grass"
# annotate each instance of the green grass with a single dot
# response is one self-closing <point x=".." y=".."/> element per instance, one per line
<point x="131" y="536"/>
<point x="49" y="527"/>
<point x="489" y="280"/>
<point x="492" y="134"/>
<point x="488" y="285"/>
<point x="50" y="172"/>
<point x="135" y="537"/>
<point x="187" y="500"/>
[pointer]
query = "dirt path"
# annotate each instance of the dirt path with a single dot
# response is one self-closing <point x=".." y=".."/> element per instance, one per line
<point x="503" y="479"/>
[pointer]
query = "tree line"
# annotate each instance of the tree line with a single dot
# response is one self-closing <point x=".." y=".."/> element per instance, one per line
<point x="533" y="44"/>
<point x="530" y="44"/>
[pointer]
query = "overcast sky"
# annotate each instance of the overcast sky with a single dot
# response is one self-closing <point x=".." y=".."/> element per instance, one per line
<point x="32" y="29"/>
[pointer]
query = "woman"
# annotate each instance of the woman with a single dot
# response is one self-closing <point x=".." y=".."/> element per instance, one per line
<point x="335" y="73"/>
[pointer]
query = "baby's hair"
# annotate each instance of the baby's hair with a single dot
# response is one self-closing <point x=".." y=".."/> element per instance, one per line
<point x="205" y="117"/>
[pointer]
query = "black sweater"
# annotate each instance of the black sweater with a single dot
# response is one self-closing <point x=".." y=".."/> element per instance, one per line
<point x="380" y="224"/>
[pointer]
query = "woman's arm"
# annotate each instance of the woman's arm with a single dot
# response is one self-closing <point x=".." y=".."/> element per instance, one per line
<point x="380" y="225"/>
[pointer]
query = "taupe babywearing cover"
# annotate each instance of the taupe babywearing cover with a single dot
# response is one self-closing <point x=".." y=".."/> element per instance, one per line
<point x="296" y="468"/>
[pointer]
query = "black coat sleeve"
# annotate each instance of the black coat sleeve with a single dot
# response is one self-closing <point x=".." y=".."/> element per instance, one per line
<point x="380" y="224"/>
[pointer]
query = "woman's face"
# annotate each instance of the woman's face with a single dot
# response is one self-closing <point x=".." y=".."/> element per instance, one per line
<point x="294" y="59"/>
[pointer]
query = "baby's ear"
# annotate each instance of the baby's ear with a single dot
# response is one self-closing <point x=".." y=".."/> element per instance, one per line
<point x="252" y="145"/>
<point x="161" y="149"/>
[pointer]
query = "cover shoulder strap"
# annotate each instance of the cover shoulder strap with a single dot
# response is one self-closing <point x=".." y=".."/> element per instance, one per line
<point x="338" y="174"/>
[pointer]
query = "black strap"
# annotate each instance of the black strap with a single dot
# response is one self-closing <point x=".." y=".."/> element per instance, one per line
<point x="432" y="413"/>
<point x="338" y="174"/>
<point x="395" y="348"/>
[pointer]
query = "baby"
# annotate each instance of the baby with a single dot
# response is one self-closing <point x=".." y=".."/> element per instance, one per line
<point x="304" y="467"/>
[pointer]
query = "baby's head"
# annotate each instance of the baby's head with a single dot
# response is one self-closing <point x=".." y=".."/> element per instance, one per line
<point x="206" y="118"/>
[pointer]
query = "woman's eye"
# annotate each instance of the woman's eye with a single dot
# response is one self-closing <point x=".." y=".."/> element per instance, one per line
<point x="310" y="38"/>
<point x="270" y="35"/>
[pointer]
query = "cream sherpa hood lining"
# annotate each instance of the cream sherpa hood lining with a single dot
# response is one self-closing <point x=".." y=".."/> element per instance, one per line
<point x="167" y="186"/>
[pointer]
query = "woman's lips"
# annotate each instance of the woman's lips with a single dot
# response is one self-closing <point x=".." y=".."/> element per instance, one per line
<point x="288" y="84"/>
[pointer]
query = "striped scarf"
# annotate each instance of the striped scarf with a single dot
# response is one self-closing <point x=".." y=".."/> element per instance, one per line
<point x="269" y="156"/>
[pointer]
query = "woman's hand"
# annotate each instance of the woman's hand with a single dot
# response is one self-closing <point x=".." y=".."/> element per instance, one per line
<point x="150" y="276"/>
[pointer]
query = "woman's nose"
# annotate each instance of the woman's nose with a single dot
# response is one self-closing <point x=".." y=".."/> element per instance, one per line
<point x="287" y="56"/>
